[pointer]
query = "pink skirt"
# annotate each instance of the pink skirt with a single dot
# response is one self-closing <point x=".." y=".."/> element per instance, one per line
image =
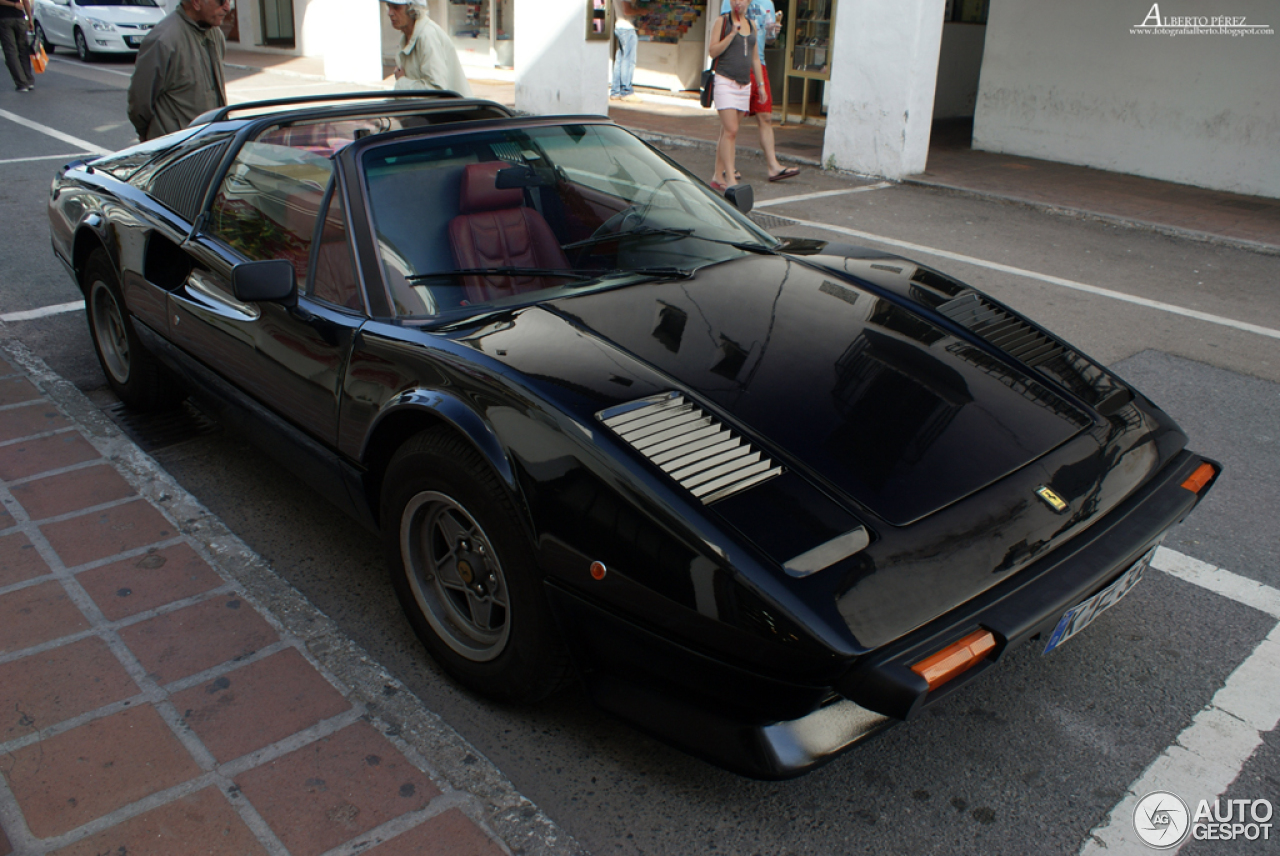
<point x="728" y="94"/>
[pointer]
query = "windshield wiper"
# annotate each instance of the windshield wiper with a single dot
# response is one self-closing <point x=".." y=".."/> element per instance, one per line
<point x="617" y="236"/>
<point x="661" y="272"/>
<point x="510" y="271"/>
<point x="746" y="246"/>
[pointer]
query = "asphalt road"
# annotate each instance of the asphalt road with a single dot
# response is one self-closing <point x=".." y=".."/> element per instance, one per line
<point x="1029" y="760"/>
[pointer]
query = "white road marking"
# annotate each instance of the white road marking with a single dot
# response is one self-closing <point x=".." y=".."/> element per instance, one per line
<point x="1233" y="586"/>
<point x="52" y="132"/>
<point x="41" y="158"/>
<point x="96" y="68"/>
<point x="43" y="312"/>
<point x="804" y="197"/>
<point x="1210" y="753"/>
<point x="1043" y="277"/>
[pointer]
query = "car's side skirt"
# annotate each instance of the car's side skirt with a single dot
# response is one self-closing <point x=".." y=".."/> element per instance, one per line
<point x="337" y="479"/>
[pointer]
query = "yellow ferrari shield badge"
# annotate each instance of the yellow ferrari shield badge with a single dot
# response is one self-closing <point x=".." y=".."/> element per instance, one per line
<point x="1051" y="499"/>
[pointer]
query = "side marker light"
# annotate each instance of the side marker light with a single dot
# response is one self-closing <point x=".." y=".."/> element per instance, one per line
<point x="956" y="658"/>
<point x="598" y="570"/>
<point x="1201" y="477"/>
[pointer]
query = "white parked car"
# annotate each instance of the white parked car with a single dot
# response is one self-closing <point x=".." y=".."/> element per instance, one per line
<point x="96" y="26"/>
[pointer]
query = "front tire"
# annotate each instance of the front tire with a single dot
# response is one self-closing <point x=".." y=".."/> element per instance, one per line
<point x="82" y="47"/>
<point x="132" y="372"/>
<point x="464" y="572"/>
<point x="43" y="39"/>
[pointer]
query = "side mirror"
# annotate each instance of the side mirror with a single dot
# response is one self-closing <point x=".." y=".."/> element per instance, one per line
<point x="270" y="281"/>
<point x="742" y="197"/>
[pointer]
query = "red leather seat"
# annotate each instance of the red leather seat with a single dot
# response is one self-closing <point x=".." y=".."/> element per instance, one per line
<point x="495" y="229"/>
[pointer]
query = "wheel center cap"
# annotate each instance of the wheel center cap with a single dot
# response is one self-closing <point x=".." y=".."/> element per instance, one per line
<point x="464" y="571"/>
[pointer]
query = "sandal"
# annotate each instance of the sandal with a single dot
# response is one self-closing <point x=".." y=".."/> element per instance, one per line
<point x="789" y="172"/>
<point x="717" y="187"/>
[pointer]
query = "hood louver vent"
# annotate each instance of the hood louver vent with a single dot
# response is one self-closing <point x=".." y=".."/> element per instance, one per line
<point x="1024" y="342"/>
<point x="1007" y="332"/>
<point x="691" y="446"/>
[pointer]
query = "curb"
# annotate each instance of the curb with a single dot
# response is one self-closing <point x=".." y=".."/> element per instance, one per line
<point x="482" y="791"/>
<point x="1112" y="219"/>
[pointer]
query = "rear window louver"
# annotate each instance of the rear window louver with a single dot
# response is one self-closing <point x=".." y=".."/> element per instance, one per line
<point x="690" y="445"/>
<point x="180" y="185"/>
<point x="1027" y="344"/>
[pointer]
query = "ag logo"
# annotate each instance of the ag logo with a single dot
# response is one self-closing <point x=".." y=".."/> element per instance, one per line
<point x="1162" y="820"/>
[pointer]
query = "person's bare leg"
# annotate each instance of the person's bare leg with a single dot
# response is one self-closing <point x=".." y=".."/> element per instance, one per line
<point x="718" y="175"/>
<point x="765" y="126"/>
<point x="726" y="148"/>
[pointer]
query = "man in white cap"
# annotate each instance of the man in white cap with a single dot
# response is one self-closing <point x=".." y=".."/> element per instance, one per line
<point x="426" y="59"/>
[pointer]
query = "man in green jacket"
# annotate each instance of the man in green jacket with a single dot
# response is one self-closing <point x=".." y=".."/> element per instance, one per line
<point x="178" y="74"/>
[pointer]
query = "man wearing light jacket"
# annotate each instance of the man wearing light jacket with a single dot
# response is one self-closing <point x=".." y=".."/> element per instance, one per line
<point x="178" y="74"/>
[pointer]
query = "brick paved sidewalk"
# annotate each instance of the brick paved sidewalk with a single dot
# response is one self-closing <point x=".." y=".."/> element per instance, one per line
<point x="147" y="706"/>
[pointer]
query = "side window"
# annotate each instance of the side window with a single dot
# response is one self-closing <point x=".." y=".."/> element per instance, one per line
<point x="269" y="201"/>
<point x="334" y="279"/>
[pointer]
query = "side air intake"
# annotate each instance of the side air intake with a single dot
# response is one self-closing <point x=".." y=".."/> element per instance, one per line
<point x="691" y="446"/>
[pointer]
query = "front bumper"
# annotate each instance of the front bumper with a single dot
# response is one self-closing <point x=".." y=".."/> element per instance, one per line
<point x="712" y="709"/>
<point x="117" y="42"/>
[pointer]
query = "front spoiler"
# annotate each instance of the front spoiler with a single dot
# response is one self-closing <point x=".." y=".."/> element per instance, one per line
<point x="880" y="688"/>
<point x="1030" y="604"/>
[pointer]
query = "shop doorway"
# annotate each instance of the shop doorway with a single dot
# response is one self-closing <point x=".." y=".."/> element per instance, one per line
<point x="955" y="95"/>
<point x="277" y="23"/>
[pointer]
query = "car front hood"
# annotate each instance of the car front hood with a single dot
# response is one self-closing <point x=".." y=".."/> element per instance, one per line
<point x="124" y="14"/>
<point x="847" y="381"/>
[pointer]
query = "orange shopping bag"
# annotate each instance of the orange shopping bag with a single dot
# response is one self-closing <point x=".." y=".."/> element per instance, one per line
<point x="39" y="59"/>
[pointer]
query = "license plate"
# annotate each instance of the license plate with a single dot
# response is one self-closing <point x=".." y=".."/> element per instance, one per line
<point x="1078" y="617"/>
<point x="133" y="41"/>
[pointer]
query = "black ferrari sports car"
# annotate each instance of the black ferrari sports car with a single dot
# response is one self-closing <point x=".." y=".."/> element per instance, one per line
<point x="764" y="497"/>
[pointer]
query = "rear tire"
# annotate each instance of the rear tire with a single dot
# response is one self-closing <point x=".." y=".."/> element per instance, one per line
<point x="133" y="373"/>
<point x="464" y="572"/>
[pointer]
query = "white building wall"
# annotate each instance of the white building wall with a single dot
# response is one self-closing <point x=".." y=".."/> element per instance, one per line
<point x="1069" y="82"/>
<point x="350" y="43"/>
<point x="556" y="69"/>
<point x="880" y="95"/>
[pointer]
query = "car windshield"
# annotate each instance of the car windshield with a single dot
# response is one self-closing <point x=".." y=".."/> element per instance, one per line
<point x="500" y="218"/>
<point x="116" y="3"/>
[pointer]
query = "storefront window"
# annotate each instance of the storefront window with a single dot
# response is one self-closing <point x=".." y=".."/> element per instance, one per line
<point x="809" y="26"/>
<point x="597" y="20"/>
<point x="481" y="31"/>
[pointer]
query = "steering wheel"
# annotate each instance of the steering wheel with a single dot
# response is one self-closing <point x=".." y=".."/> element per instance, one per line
<point x="626" y="220"/>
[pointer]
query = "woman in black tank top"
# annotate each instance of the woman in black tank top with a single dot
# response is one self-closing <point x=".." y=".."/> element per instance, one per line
<point x="734" y="58"/>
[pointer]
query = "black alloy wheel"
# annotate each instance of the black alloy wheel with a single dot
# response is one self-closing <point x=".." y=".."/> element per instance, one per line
<point x="464" y="573"/>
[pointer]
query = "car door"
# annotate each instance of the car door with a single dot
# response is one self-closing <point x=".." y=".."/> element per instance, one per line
<point x="56" y="19"/>
<point x="285" y="361"/>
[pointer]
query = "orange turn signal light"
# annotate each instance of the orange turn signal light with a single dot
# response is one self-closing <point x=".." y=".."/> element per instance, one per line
<point x="956" y="658"/>
<point x="1201" y="477"/>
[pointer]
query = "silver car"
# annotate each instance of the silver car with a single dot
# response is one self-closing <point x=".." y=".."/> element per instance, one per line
<point x="96" y="26"/>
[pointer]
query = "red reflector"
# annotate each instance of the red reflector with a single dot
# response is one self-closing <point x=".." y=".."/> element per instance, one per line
<point x="1201" y="477"/>
<point x="598" y="570"/>
<point x="955" y="659"/>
